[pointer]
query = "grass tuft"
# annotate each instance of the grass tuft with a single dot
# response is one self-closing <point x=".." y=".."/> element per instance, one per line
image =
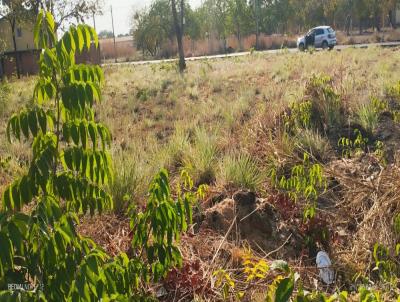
<point x="5" y="90"/>
<point x="200" y="159"/>
<point x="128" y="177"/>
<point x="314" y="143"/>
<point x="240" y="171"/>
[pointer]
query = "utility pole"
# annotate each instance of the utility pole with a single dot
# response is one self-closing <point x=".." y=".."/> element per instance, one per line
<point x="98" y="49"/>
<point x="115" y="47"/>
<point x="256" y="14"/>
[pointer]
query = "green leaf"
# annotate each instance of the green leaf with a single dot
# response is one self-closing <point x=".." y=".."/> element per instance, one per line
<point x="6" y="252"/>
<point x="23" y="120"/>
<point x="83" y="134"/>
<point x="88" y="40"/>
<point x="7" y="200"/>
<point x="95" y="39"/>
<point x="33" y="122"/>
<point x="41" y="120"/>
<point x="24" y="186"/>
<point x="16" y="196"/>
<point x="37" y="27"/>
<point x="93" y="133"/>
<point x="79" y="38"/>
<point x="75" y="133"/>
<point x="50" y="22"/>
<point x="15" y="236"/>
<point x="284" y="289"/>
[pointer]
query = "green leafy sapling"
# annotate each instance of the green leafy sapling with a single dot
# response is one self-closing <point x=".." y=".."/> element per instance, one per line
<point x="68" y="176"/>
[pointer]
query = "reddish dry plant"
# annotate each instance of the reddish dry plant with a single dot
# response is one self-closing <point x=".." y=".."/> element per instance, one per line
<point x="187" y="281"/>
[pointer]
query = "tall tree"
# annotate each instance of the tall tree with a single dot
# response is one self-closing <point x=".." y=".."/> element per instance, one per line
<point x="257" y="8"/>
<point x="240" y="19"/>
<point x="179" y="35"/>
<point x="153" y="26"/>
<point x="66" y="12"/>
<point x="220" y="18"/>
<point x="390" y="7"/>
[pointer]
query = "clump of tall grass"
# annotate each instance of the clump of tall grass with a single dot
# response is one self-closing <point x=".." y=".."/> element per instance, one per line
<point x="201" y="157"/>
<point x="327" y="109"/>
<point x="143" y="94"/>
<point x="5" y="90"/>
<point x="128" y="177"/>
<point x="314" y="143"/>
<point x="240" y="171"/>
<point x="233" y="114"/>
<point x="368" y="114"/>
<point x="171" y="156"/>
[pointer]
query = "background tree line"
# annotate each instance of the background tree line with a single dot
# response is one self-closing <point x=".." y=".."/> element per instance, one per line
<point x="153" y="26"/>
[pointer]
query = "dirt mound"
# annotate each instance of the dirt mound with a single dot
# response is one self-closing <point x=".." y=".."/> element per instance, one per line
<point x="244" y="217"/>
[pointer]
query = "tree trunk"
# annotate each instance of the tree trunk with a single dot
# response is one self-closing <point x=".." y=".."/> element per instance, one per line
<point x="182" y="63"/>
<point x="15" y="50"/>
<point x="348" y="23"/>
<point x="239" y="36"/>
<point x="392" y="20"/>
<point x="2" y="75"/>
<point x="256" y="13"/>
<point x="224" y="42"/>
<point x="376" y="21"/>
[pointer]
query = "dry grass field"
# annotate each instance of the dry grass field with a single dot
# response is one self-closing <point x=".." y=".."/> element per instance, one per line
<point x="241" y="125"/>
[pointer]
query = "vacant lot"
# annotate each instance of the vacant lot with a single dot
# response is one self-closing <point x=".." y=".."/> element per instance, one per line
<point x="243" y="124"/>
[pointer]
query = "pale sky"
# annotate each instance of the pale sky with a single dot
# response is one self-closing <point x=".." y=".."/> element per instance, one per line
<point x="122" y="11"/>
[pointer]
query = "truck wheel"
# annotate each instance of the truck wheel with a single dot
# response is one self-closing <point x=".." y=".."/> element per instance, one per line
<point x="301" y="46"/>
<point x="325" y="45"/>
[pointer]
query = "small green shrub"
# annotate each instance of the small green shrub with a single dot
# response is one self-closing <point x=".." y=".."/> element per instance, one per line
<point x="143" y="94"/>
<point x="306" y="182"/>
<point x="385" y="264"/>
<point x="240" y="171"/>
<point x="299" y="117"/>
<point x="350" y="147"/>
<point x="68" y="176"/>
<point x="380" y="152"/>
<point x="327" y="110"/>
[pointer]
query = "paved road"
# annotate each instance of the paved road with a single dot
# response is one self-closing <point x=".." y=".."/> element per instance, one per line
<point x="241" y="54"/>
